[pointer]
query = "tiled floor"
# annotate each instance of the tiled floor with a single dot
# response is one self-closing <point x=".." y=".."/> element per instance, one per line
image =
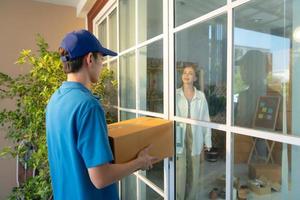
<point x="213" y="176"/>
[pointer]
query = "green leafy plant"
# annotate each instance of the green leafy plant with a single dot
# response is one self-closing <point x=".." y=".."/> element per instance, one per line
<point x="25" y="124"/>
<point x="216" y="102"/>
<point x="106" y="89"/>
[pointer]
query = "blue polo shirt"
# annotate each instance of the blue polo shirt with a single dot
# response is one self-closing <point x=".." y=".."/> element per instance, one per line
<point x="77" y="140"/>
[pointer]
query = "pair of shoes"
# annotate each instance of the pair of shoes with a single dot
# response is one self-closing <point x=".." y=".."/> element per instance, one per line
<point x="215" y="193"/>
<point x="222" y="194"/>
<point x="243" y="192"/>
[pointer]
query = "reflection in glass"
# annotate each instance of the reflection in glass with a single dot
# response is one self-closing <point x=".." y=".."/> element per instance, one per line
<point x="264" y="54"/>
<point x="149" y="24"/>
<point x="129" y="188"/>
<point x="199" y="168"/>
<point x="126" y="115"/>
<point x="253" y="74"/>
<point x="151" y="77"/>
<point x="114" y="67"/>
<point x="112" y="87"/>
<point x="127" y="81"/>
<point x="203" y="46"/>
<point x="272" y="176"/>
<point x="188" y="10"/>
<point x="102" y="34"/>
<point x="126" y="23"/>
<point x="146" y="193"/>
<point x="108" y="95"/>
<point x="112" y="18"/>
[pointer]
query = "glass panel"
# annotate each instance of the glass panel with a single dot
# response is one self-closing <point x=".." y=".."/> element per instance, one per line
<point x="109" y="95"/>
<point x="102" y="34"/>
<point x="265" y="52"/>
<point x="200" y="60"/>
<point x="156" y="174"/>
<point x="188" y="10"/>
<point x="126" y="115"/>
<point x="113" y="30"/>
<point x="200" y="162"/>
<point x="106" y="95"/>
<point x="112" y="87"/>
<point x="146" y="193"/>
<point x="114" y="67"/>
<point x="265" y="169"/>
<point x="127" y="23"/>
<point x="149" y="24"/>
<point x="129" y="188"/>
<point x="127" y="80"/>
<point x="151" y="77"/>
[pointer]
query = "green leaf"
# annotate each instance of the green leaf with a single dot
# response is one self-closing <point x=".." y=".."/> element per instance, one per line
<point x="5" y="151"/>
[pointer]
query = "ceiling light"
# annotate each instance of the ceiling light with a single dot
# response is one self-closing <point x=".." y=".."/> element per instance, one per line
<point x="296" y="34"/>
<point x="257" y="20"/>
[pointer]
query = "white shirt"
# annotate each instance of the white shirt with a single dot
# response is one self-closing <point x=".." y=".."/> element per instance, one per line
<point x="198" y="111"/>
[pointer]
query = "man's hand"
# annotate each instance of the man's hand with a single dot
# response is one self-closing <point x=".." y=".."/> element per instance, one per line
<point x="145" y="159"/>
<point x="106" y="174"/>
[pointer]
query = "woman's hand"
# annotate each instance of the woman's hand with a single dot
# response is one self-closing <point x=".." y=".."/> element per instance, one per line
<point x="206" y="148"/>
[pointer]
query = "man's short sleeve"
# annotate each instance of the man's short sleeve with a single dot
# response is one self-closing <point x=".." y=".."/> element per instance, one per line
<point x="92" y="141"/>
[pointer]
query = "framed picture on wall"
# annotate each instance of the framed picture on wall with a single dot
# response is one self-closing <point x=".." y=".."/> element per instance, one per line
<point x="266" y="112"/>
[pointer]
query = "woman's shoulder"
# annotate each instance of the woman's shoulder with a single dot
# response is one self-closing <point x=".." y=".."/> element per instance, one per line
<point x="199" y="93"/>
<point x="179" y="91"/>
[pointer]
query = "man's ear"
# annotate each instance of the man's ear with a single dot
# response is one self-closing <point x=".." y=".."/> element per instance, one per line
<point x="89" y="58"/>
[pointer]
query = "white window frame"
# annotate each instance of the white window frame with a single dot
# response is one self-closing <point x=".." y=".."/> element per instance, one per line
<point x="169" y="84"/>
<point x="103" y="15"/>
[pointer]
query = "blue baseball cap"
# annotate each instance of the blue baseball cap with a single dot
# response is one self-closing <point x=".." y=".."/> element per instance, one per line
<point x="80" y="43"/>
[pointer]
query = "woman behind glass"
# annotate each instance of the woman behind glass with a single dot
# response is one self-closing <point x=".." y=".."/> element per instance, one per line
<point x="190" y="139"/>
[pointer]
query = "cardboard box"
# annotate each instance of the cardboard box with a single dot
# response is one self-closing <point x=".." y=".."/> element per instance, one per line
<point x="271" y="171"/>
<point x="128" y="137"/>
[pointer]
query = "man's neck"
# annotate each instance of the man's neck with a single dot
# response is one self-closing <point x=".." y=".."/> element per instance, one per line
<point x="79" y="77"/>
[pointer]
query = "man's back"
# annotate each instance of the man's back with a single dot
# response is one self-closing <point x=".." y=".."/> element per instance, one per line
<point x="77" y="140"/>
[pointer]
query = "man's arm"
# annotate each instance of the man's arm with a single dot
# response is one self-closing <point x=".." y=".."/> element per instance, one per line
<point x="106" y="174"/>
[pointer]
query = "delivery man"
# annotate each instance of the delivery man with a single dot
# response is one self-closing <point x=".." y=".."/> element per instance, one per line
<point x="78" y="148"/>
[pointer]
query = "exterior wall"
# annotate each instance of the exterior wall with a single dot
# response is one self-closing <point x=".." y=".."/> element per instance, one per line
<point x="20" y="21"/>
<point x="98" y="5"/>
